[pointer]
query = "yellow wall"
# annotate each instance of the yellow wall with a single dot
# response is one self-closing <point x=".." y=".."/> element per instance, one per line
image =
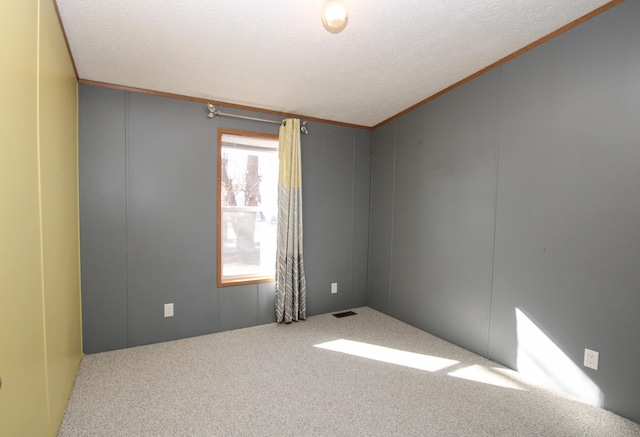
<point x="40" y="327"/>
<point x="58" y="145"/>
<point x="23" y="400"/>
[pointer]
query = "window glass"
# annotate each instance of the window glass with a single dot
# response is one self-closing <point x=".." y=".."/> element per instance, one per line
<point x="247" y="207"/>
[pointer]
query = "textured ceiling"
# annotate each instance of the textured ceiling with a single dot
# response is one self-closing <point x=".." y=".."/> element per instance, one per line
<point x="276" y="54"/>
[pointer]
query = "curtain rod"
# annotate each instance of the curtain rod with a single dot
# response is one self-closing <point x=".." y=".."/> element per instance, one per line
<point x="213" y="112"/>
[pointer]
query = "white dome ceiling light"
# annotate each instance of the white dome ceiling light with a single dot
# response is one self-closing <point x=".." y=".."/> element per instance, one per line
<point x="335" y="15"/>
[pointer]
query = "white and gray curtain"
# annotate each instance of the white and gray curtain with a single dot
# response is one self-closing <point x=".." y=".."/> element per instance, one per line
<point x="291" y="294"/>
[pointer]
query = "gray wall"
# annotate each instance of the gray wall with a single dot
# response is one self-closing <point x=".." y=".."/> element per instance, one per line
<point x="521" y="190"/>
<point x="148" y="220"/>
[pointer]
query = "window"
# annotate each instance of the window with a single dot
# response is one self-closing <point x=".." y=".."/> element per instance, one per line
<point x="247" y="207"/>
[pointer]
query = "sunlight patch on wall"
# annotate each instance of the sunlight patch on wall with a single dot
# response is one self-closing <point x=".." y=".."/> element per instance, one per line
<point x="388" y="355"/>
<point x="539" y="358"/>
<point x="486" y="375"/>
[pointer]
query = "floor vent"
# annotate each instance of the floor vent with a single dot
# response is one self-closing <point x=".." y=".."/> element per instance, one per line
<point x="344" y="314"/>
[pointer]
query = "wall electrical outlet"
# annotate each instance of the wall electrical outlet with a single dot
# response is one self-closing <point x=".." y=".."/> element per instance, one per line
<point x="334" y="287"/>
<point x="168" y="310"/>
<point x="591" y="359"/>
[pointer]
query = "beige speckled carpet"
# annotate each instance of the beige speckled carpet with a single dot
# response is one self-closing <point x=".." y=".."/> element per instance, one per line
<point x="363" y="375"/>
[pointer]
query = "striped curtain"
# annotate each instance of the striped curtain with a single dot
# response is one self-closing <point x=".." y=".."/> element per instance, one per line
<point x="291" y="294"/>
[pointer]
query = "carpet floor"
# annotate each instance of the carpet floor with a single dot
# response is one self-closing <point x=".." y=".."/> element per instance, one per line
<point x="362" y="375"/>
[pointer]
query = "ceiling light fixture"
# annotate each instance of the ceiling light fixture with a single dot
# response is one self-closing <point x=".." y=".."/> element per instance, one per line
<point x="335" y="15"/>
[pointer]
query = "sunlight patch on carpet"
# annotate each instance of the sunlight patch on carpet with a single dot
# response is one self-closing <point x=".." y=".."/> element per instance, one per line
<point x="486" y="375"/>
<point x="388" y="355"/>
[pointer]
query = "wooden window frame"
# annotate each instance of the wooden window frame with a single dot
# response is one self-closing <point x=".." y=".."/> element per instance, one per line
<point x="244" y="280"/>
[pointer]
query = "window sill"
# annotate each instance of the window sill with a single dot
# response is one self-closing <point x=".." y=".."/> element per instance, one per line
<point x="231" y="282"/>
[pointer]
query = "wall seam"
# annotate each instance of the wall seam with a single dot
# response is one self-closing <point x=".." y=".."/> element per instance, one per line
<point x="369" y="216"/>
<point x="495" y="210"/>
<point x="78" y="217"/>
<point x="366" y="294"/>
<point x="353" y="217"/>
<point x="126" y="214"/>
<point x="393" y="209"/>
<point x="41" y="224"/>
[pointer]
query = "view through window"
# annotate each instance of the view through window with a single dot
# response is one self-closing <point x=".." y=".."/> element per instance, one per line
<point x="247" y="207"/>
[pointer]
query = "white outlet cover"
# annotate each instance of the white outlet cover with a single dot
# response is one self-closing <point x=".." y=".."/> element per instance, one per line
<point x="334" y="287"/>
<point x="591" y="359"/>
<point x="168" y="310"/>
